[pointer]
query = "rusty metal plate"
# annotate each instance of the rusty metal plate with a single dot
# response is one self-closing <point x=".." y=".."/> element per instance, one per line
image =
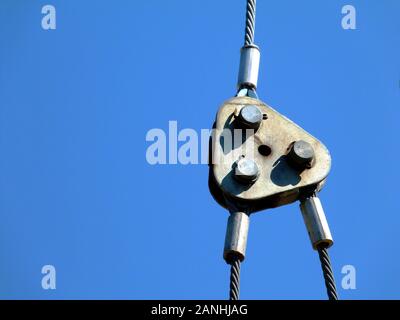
<point x="278" y="182"/>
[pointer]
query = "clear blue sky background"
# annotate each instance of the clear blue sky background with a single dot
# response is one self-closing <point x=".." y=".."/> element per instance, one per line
<point x="76" y="103"/>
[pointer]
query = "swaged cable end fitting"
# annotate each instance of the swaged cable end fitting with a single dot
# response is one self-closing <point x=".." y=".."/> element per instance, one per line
<point x="316" y="223"/>
<point x="236" y="237"/>
<point x="249" y="66"/>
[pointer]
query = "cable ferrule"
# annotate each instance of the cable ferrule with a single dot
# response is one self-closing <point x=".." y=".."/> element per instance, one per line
<point x="248" y="67"/>
<point x="236" y="237"/>
<point x="316" y="223"/>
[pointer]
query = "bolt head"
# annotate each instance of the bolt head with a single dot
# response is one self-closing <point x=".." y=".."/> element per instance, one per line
<point x="246" y="170"/>
<point x="250" y="116"/>
<point x="301" y="154"/>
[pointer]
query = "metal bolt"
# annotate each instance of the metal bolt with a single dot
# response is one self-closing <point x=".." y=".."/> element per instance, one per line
<point x="301" y="154"/>
<point x="250" y="116"/>
<point x="246" y="170"/>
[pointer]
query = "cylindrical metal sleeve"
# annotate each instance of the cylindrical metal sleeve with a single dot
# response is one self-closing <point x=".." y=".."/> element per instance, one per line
<point x="316" y="223"/>
<point x="236" y="236"/>
<point x="249" y="66"/>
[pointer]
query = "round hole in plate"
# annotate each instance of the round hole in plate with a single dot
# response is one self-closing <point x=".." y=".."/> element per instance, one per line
<point x="264" y="150"/>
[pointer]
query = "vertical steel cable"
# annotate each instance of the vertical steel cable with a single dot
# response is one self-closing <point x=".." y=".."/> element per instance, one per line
<point x="250" y="22"/>
<point x="249" y="39"/>
<point x="235" y="280"/>
<point x="328" y="273"/>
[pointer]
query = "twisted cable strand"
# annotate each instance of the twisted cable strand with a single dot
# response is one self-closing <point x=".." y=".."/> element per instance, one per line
<point x="250" y="22"/>
<point x="235" y="280"/>
<point x="328" y="273"/>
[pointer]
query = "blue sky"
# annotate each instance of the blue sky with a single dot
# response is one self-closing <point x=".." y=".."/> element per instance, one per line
<point x="77" y="192"/>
